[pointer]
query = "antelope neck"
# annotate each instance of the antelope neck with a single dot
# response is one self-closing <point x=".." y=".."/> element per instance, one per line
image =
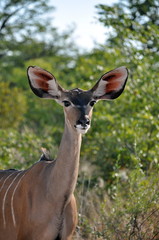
<point x="70" y="144"/>
<point x="67" y="163"/>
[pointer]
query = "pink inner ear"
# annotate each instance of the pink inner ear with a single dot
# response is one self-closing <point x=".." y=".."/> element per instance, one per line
<point x="44" y="75"/>
<point x="111" y="77"/>
<point x="43" y="84"/>
<point x="113" y="86"/>
<point x="113" y="82"/>
<point x="42" y="78"/>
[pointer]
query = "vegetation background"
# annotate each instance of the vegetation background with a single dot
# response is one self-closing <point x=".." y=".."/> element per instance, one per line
<point x="118" y="187"/>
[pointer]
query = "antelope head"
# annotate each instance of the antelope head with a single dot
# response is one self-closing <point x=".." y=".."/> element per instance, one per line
<point x="78" y="104"/>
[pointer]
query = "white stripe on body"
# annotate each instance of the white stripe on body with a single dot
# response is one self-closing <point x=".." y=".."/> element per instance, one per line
<point x="12" y="199"/>
<point x="2" y="178"/>
<point x="4" y="199"/>
<point x="6" y="180"/>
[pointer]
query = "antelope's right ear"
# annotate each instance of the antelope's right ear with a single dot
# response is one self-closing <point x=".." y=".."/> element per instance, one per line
<point x="111" y="84"/>
<point x="43" y="83"/>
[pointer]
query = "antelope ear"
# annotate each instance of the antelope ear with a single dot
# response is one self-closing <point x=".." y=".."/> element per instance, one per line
<point x="43" y="83"/>
<point x="111" y="84"/>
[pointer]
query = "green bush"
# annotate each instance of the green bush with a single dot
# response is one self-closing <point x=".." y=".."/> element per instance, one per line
<point x="20" y="149"/>
<point x="13" y="106"/>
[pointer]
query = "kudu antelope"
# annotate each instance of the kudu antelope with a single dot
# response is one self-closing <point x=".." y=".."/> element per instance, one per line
<point x="38" y="203"/>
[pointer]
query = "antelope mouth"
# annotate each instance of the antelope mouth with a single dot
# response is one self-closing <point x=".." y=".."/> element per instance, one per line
<point x="82" y="129"/>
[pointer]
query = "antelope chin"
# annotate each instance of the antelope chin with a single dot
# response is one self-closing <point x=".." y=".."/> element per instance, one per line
<point x="81" y="129"/>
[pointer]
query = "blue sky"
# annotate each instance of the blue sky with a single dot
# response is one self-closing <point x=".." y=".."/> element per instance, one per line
<point x="83" y="15"/>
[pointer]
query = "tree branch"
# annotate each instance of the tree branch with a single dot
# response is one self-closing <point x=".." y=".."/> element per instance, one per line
<point x="8" y="16"/>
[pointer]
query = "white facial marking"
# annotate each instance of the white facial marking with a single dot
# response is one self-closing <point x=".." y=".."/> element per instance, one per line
<point x="79" y="106"/>
<point x="81" y="129"/>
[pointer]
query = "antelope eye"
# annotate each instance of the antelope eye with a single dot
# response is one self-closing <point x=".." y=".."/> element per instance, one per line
<point x="92" y="103"/>
<point x="66" y="103"/>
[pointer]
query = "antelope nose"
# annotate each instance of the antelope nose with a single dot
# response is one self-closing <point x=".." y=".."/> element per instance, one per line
<point x="83" y="121"/>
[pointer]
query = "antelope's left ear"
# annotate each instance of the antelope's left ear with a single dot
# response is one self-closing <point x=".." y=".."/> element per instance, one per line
<point x="111" y="84"/>
<point x="43" y="83"/>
